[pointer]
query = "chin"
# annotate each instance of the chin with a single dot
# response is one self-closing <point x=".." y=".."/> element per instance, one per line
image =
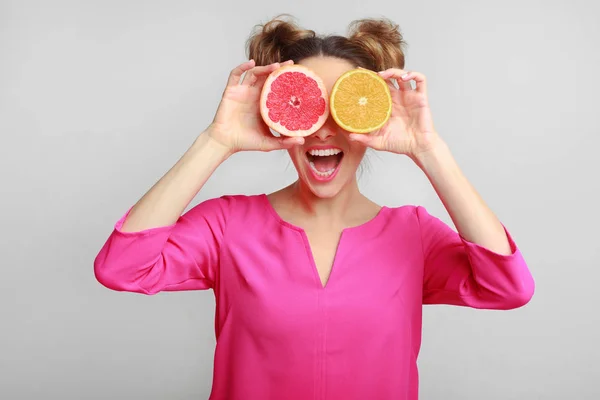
<point x="324" y="191"/>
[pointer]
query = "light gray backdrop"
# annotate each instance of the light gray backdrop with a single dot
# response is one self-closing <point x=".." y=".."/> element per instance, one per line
<point x="99" y="98"/>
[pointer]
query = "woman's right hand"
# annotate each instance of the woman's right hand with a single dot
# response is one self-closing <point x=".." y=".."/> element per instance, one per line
<point x="238" y="125"/>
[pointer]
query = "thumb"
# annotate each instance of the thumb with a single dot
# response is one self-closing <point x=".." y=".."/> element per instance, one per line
<point x="368" y="140"/>
<point x="281" y="143"/>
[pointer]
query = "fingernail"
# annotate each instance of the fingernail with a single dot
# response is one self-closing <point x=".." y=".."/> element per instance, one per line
<point x="404" y="76"/>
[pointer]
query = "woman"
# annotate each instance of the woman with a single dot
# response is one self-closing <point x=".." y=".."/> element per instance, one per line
<point x="319" y="290"/>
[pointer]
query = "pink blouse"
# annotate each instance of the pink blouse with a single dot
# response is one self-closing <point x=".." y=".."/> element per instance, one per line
<point x="281" y="334"/>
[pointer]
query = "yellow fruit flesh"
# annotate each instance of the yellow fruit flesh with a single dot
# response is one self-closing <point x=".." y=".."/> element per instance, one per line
<point x="360" y="101"/>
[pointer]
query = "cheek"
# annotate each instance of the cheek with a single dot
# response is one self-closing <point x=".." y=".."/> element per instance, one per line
<point x="296" y="156"/>
<point x="356" y="153"/>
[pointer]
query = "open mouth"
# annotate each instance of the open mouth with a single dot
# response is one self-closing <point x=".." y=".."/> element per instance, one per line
<point x="324" y="163"/>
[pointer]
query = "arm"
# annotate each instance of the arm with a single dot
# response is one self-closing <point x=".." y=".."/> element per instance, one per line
<point x="237" y="126"/>
<point x="165" y="201"/>
<point x="181" y="256"/>
<point x="471" y="216"/>
<point x="153" y="247"/>
<point x="480" y="266"/>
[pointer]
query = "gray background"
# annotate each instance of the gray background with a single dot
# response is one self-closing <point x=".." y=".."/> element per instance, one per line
<point x="99" y="98"/>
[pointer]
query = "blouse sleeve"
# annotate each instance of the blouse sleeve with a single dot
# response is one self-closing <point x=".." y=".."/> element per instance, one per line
<point x="177" y="257"/>
<point x="459" y="272"/>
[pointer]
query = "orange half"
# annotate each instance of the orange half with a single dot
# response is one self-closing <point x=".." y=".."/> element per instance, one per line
<point x="360" y="101"/>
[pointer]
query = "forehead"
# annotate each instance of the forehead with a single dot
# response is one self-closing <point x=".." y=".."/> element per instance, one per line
<point x="328" y="68"/>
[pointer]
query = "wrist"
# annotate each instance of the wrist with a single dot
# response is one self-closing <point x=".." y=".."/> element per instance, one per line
<point x="216" y="149"/>
<point x="436" y="152"/>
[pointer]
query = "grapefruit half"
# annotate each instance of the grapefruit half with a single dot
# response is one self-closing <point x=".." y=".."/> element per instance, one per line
<point x="293" y="101"/>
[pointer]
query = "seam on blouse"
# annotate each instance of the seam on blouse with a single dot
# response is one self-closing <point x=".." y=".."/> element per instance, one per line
<point x="150" y="292"/>
<point x="450" y="291"/>
<point x="118" y="226"/>
<point x="271" y="211"/>
<point x="421" y="238"/>
<point x="144" y="232"/>
<point x="222" y="241"/>
<point x="210" y="281"/>
<point x="186" y="280"/>
<point x="478" y="287"/>
<point x="462" y="296"/>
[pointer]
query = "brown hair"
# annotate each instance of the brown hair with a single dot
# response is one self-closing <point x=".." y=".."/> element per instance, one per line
<point x="375" y="44"/>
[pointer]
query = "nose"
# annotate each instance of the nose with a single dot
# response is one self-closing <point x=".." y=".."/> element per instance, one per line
<point x="328" y="130"/>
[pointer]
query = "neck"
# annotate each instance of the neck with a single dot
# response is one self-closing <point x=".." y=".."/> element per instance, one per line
<point x="333" y="208"/>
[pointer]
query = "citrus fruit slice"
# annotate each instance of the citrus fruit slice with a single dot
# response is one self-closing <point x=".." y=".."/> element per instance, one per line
<point x="293" y="101"/>
<point x="360" y="101"/>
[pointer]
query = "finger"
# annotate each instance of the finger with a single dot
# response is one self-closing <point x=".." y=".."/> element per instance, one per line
<point x="262" y="77"/>
<point x="280" y="143"/>
<point x="252" y="76"/>
<point x="267" y="69"/>
<point x="404" y="77"/>
<point x="392" y="73"/>
<point x="290" y="142"/>
<point x="420" y="80"/>
<point x="396" y="74"/>
<point x="249" y="79"/>
<point x="393" y="85"/>
<point x="372" y="141"/>
<point x="236" y="73"/>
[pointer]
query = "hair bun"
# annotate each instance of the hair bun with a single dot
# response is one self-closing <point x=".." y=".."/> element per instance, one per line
<point x="269" y="41"/>
<point x="382" y="39"/>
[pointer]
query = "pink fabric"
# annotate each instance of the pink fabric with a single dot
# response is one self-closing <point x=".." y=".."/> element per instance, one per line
<point x="280" y="333"/>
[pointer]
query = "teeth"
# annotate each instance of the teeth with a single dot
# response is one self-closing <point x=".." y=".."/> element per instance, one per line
<point x="321" y="153"/>
<point x="324" y="174"/>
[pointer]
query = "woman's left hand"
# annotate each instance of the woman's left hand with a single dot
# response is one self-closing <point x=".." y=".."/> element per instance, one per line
<point x="410" y="128"/>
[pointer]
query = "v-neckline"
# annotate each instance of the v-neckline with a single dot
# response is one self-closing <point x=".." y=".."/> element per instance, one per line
<point x="307" y="245"/>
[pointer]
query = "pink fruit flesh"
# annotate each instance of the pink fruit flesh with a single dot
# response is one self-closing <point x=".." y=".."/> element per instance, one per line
<point x="295" y="102"/>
